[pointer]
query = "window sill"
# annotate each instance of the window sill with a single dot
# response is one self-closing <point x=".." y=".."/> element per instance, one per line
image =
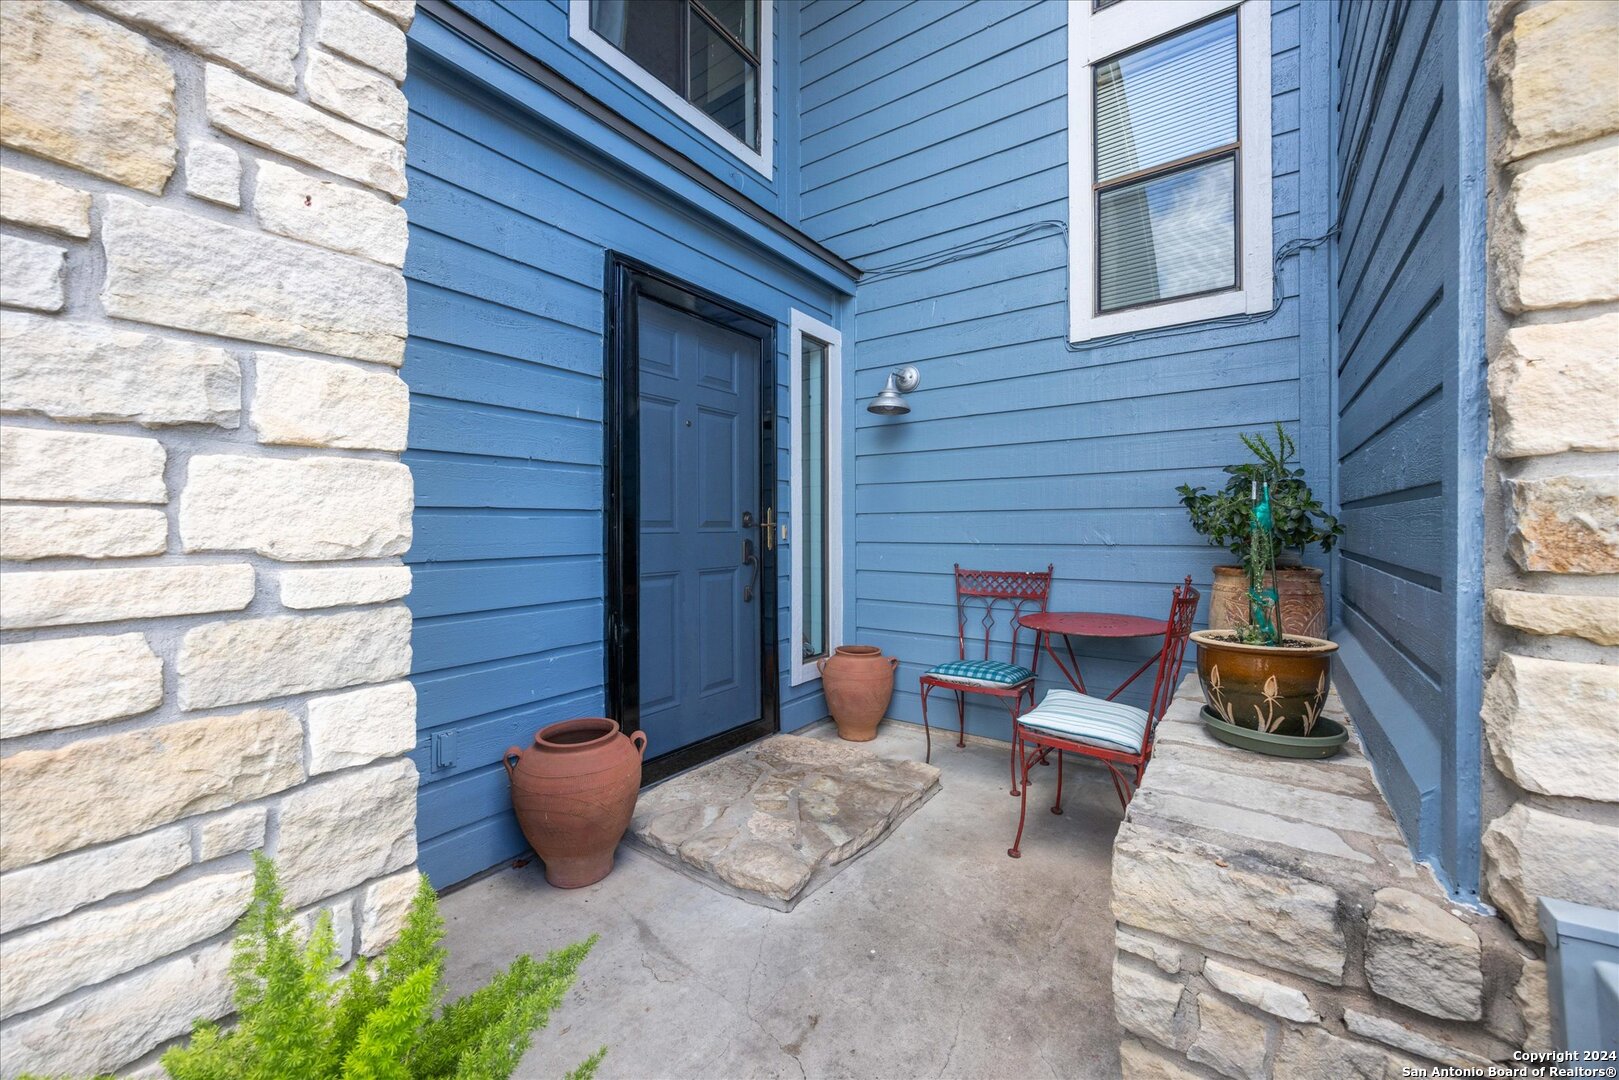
<point x="1083" y="328"/>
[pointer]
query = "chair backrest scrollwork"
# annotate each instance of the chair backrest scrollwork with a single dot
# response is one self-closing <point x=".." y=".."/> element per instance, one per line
<point x="1182" y="610"/>
<point x="1022" y="592"/>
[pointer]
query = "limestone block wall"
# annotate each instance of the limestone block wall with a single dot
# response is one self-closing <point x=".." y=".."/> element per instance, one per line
<point x="202" y="645"/>
<point x="1551" y="709"/>
<point x="1272" y="925"/>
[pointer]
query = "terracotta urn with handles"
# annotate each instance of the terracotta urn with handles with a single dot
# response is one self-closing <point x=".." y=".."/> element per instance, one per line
<point x="859" y="681"/>
<point x="574" y="791"/>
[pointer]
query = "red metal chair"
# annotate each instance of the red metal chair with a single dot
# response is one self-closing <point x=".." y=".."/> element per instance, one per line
<point x="1110" y="731"/>
<point x="1021" y="591"/>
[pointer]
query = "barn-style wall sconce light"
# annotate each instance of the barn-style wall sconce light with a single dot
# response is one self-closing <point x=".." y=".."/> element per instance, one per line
<point x="890" y="402"/>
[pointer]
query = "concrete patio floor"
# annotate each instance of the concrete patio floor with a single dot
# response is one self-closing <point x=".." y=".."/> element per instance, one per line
<point x="931" y="955"/>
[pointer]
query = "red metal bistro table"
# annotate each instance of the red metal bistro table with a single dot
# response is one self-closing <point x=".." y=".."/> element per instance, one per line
<point x="1098" y="624"/>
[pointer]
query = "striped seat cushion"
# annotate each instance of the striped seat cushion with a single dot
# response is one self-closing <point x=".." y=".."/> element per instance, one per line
<point x="982" y="672"/>
<point x="1085" y="719"/>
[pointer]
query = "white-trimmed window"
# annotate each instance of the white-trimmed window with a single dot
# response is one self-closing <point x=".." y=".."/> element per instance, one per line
<point x="1169" y="177"/>
<point x="711" y="62"/>
<point x="816" y="525"/>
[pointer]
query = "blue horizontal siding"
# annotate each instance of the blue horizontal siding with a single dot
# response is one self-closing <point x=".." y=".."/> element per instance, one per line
<point x="1409" y="426"/>
<point x="510" y="222"/>
<point x="907" y="126"/>
<point x="540" y="29"/>
<point x="477" y="481"/>
<point x="933" y="123"/>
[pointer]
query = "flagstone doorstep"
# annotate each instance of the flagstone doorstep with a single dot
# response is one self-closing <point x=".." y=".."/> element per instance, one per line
<point x="771" y="822"/>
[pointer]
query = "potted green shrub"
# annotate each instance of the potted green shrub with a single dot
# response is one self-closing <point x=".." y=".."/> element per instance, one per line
<point x="1299" y="520"/>
<point x="1265" y="688"/>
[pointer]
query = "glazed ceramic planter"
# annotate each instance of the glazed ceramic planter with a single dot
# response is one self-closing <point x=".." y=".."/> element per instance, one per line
<point x="1277" y="690"/>
<point x="1298" y="592"/>
<point x="574" y="791"/>
<point x="859" y="681"/>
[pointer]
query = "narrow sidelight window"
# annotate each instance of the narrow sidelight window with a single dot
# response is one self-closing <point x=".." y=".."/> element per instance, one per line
<point x="816" y="522"/>
<point x="1170" y="182"/>
<point x="707" y="59"/>
<point x="811" y="532"/>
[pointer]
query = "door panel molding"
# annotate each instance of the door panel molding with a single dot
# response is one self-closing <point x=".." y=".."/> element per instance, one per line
<point x="627" y="282"/>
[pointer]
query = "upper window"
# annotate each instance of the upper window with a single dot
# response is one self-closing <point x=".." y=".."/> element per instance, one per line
<point x="707" y="60"/>
<point x="1169" y="170"/>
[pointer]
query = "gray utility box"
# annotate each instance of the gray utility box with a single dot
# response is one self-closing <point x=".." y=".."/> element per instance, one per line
<point x="1582" y="972"/>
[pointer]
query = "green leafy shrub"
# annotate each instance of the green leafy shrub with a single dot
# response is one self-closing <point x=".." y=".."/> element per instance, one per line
<point x="297" y="1020"/>
<point x="1300" y="519"/>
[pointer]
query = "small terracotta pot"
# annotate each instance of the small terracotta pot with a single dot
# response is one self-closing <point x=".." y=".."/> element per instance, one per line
<point x="1298" y="591"/>
<point x="1274" y="689"/>
<point x="574" y="792"/>
<point x="859" y="681"/>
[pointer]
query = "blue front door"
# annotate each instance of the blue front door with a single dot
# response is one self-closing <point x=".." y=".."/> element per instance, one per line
<point x="700" y="597"/>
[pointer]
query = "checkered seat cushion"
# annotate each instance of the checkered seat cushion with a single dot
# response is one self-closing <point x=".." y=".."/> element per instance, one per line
<point x="1081" y="718"/>
<point x="982" y="672"/>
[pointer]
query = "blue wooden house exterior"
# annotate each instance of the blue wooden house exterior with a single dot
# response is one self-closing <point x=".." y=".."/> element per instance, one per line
<point x="646" y="325"/>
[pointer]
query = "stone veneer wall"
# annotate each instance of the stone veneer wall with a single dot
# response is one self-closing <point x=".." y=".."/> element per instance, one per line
<point x="1551" y="705"/>
<point x="203" y="314"/>
<point x="1272" y="924"/>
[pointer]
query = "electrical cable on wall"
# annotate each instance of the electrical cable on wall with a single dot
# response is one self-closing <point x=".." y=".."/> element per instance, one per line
<point x="982" y="246"/>
<point x="1021" y="233"/>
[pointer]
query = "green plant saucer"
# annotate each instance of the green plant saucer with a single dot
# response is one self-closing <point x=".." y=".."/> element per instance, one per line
<point x="1329" y="738"/>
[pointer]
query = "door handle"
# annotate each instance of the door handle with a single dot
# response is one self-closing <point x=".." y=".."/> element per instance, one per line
<point x="749" y="559"/>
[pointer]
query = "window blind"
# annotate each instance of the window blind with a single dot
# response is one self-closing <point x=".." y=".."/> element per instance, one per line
<point x="1169" y="233"/>
<point x="1167" y="236"/>
<point x="1167" y="101"/>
